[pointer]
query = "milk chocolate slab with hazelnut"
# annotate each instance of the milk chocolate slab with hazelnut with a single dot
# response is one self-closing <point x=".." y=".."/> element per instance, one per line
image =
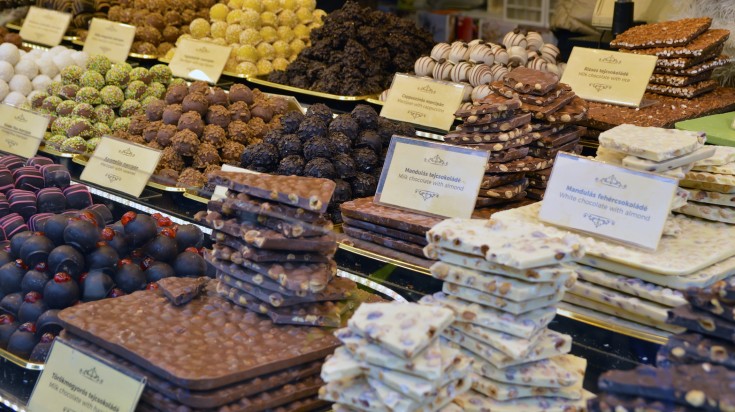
<point x="366" y="210"/>
<point x="290" y="228"/>
<point x="476" y="137"/>
<point x="310" y="193"/>
<point x="703" y="45"/>
<point x="525" y="80"/>
<point x="711" y="301"/>
<point x="702" y="322"/>
<point x="240" y="250"/>
<point x="606" y="402"/>
<point x="339" y="289"/>
<point x="182" y="290"/>
<point x="705" y="386"/>
<point x="387" y="231"/>
<point x="697" y="348"/>
<point x="383" y="240"/>
<point x="192" y="347"/>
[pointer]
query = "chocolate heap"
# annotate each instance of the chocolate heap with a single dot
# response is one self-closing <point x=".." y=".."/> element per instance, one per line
<point x="273" y="248"/>
<point x="356" y="53"/>
<point x="688" y="51"/>
<point x="208" y="354"/>
<point x="503" y="282"/>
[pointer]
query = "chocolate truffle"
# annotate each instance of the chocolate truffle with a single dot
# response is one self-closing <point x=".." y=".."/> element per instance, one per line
<point x="49" y="322"/>
<point x="365" y="116"/>
<point x="176" y="93"/>
<point x="344" y="166"/>
<point x="365" y="158"/>
<point x="138" y="123"/>
<point x="342" y="191"/>
<point x="214" y="135"/>
<point x="11" y="302"/>
<point x="23" y="340"/>
<point x="206" y="155"/>
<point x="240" y="111"/>
<point x="158" y="271"/>
<point x="32" y="307"/>
<point x="318" y="147"/>
<point x="258" y="127"/>
<point x="189" y="236"/>
<point x="241" y="93"/>
<point x="217" y="96"/>
<point x="165" y="133"/>
<point x="290" y="121"/>
<point x="154" y="110"/>
<point x="195" y="102"/>
<point x="43" y="347"/>
<point x="319" y="167"/>
<point x="346" y="124"/>
<point x="273" y="136"/>
<point x="218" y="115"/>
<point x="311" y="127"/>
<point x="364" y="185"/>
<point x="321" y="111"/>
<point x="291" y="165"/>
<point x="61" y="291"/>
<point x="8" y="326"/>
<point x="81" y="235"/>
<point x="199" y="87"/>
<point x="231" y="152"/>
<point x="185" y="142"/>
<point x="341" y="143"/>
<point x="97" y="285"/>
<point x="151" y="132"/>
<point x="191" y="121"/>
<point x="189" y="264"/>
<point x="261" y="154"/>
<point x="34" y="281"/>
<point x="36" y="250"/>
<point x="11" y="276"/>
<point x="404" y="129"/>
<point x="191" y="177"/>
<point x="263" y="112"/>
<point x="139" y="228"/>
<point x="239" y="131"/>
<point x="371" y="139"/>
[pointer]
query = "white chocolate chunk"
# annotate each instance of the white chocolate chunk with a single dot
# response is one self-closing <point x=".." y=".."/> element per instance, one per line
<point x="726" y="169"/>
<point x="516" y="308"/>
<point x="502" y="391"/>
<point x="510" y="345"/>
<point x="621" y="313"/>
<point x="637" y="163"/>
<point x="355" y="393"/>
<point x="556" y="372"/>
<point x="418" y="388"/>
<point x="340" y="366"/>
<point x="476" y="402"/>
<point x="722" y="156"/>
<point x="714" y="198"/>
<point x="651" y="143"/>
<point x="645" y="309"/>
<point x="716" y="213"/>
<point x="633" y="286"/>
<point x="709" y="181"/>
<point x="397" y="402"/>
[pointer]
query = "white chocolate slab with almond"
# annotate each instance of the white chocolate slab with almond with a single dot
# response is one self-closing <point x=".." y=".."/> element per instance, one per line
<point x="652" y="143"/>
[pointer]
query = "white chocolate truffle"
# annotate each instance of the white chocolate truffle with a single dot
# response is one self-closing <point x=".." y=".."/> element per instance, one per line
<point x="501" y="56"/>
<point x="480" y="74"/>
<point x="467" y="92"/>
<point x="424" y="66"/>
<point x="498" y="71"/>
<point x="40" y="82"/>
<point x="460" y="72"/>
<point x="14" y="99"/>
<point x="475" y="42"/>
<point x="56" y="50"/>
<point x="80" y="58"/>
<point x="27" y="68"/>
<point x="549" y="52"/>
<point x="482" y="54"/>
<point x="514" y="38"/>
<point x="9" y="53"/>
<point x="6" y="71"/>
<point x="4" y="89"/>
<point x="62" y="61"/>
<point x="20" y="84"/>
<point x="480" y="92"/>
<point x="538" y="64"/>
<point x="534" y="40"/>
<point x="442" y="70"/>
<point x="552" y="68"/>
<point x="440" y="51"/>
<point x="459" y="52"/>
<point x="518" y="56"/>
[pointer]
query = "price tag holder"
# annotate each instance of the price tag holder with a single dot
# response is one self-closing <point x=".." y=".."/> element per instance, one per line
<point x="121" y="165"/>
<point x="75" y="381"/>
<point x="431" y="178"/>
<point x="44" y="26"/>
<point x="609" y="77"/>
<point x="426" y="102"/>
<point x="21" y="131"/>
<point x="609" y="201"/>
<point x="199" y="60"/>
<point x="110" y="39"/>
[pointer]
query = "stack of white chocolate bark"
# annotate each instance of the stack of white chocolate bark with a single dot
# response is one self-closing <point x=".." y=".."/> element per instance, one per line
<point x="711" y="187"/>
<point x="392" y="360"/>
<point x="503" y="282"/>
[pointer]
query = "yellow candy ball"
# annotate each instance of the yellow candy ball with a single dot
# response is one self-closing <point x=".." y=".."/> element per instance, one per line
<point x="314" y="25"/>
<point x="304" y="15"/>
<point x="250" y="36"/>
<point x="170" y="53"/>
<point x="281" y="48"/>
<point x="287" y="18"/>
<point x="268" y="18"/>
<point x="292" y="58"/>
<point x="247" y="53"/>
<point x="290" y="4"/>
<point x="182" y="37"/>
<point x="233" y="33"/>
<point x="309" y="4"/>
<point x="234" y="16"/>
<point x="231" y="65"/>
<point x="218" y="12"/>
<point x="285" y="34"/>
<point x="199" y="28"/>
<point x="256" y="5"/>
<point x="246" y="69"/>
<point x="264" y="66"/>
<point x="297" y="45"/>
<point x="269" y="34"/>
<point x="266" y="51"/>
<point x="250" y="19"/>
<point x="219" y="41"/>
<point x="235" y="4"/>
<point x="279" y="63"/>
<point x="218" y="29"/>
<point x="272" y="6"/>
<point x="319" y="15"/>
<point x="301" y="32"/>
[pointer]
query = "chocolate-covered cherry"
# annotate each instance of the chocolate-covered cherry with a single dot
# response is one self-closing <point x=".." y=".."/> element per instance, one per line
<point x="190" y="264"/>
<point x="139" y="228"/>
<point x="61" y="291"/>
<point x="42" y="348"/>
<point x="5" y="256"/>
<point x="103" y="258"/>
<point x="130" y="278"/>
<point x="162" y="248"/>
<point x="31" y="308"/>
<point x="82" y="235"/>
<point x="10" y="303"/>
<point x="8" y="325"/>
<point x="23" y="340"/>
<point x="11" y="275"/>
<point x="49" y="322"/>
<point x="66" y="259"/>
<point x="54" y="228"/>
<point x="36" y="250"/>
<point x="96" y="286"/>
<point x="116" y="293"/>
<point x="34" y="281"/>
<point x="118" y="242"/>
<point x="158" y="271"/>
<point x="17" y="241"/>
<point x="188" y="236"/>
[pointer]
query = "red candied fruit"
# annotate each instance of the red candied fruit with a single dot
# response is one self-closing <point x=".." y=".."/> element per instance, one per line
<point x="19" y="263"/>
<point x="116" y="293"/>
<point x="6" y="319"/>
<point x="108" y="234"/>
<point x="156" y="216"/>
<point x="47" y="337"/>
<point x="192" y="249"/>
<point x="41" y="267"/>
<point x="83" y="277"/>
<point x="101" y="243"/>
<point x="147" y="262"/>
<point x="128" y="217"/>
<point x="123" y="262"/>
<point x="137" y="253"/>
<point x="151" y="286"/>
<point x="62" y="277"/>
<point x="169" y="232"/>
<point x="32" y="297"/>
<point x="39" y="234"/>
<point x="165" y="221"/>
<point x="88" y="216"/>
<point x="28" y="327"/>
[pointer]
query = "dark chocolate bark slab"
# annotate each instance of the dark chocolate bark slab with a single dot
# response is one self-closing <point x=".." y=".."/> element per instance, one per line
<point x="702" y="322"/>
<point x="264" y="255"/>
<point x="709" y="300"/>
<point x="387" y="241"/>
<point x="197" y="346"/>
<point x="290" y="228"/>
<point x="566" y="135"/>
<point x="251" y="204"/>
<point x="387" y="231"/>
<point x="499" y="179"/>
<point x="697" y="348"/>
<point x="366" y="210"/>
<point x="507" y="191"/>
<point x="606" y="402"/>
<point x="550" y="152"/>
<point x="508" y="155"/>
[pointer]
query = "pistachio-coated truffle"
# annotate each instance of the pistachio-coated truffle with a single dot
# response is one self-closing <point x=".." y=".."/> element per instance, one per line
<point x="117" y="76"/>
<point x="75" y="144"/>
<point x="121" y="123"/>
<point x="135" y="90"/>
<point x="112" y="96"/>
<point x="91" y="78"/>
<point x="104" y="114"/>
<point x="130" y="107"/>
<point x="161" y="73"/>
<point x="100" y="64"/>
<point x="88" y="95"/>
<point x="71" y="74"/>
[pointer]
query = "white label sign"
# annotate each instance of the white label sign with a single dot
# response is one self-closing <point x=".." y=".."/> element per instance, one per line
<point x="220" y="192"/>
<point x="606" y="200"/>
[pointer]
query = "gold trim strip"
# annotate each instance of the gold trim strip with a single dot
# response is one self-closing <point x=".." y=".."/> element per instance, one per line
<point x="260" y="80"/>
<point x="20" y="361"/>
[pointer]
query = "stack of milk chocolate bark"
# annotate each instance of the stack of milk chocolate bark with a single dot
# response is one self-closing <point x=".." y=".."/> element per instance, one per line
<point x="273" y="248"/>
<point x="688" y="51"/>
<point x="503" y="282"/>
<point x="206" y="353"/>
<point x="696" y="369"/>
<point x="711" y="187"/>
<point x="393" y="360"/>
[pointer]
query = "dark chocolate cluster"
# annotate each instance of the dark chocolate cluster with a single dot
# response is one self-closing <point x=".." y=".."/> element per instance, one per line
<point x="81" y="256"/>
<point x="356" y="53"/>
<point x="349" y="149"/>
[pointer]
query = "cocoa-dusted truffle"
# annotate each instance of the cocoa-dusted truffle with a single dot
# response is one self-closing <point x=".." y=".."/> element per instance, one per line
<point x="364" y="185"/>
<point x="311" y="127"/>
<point x="289" y="145"/>
<point x="240" y="111"/>
<point x="344" y="166"/>
<point x="231" y="152"/>
<point x="239" y="131"/>
<point x="342" y="191"/>
<point x="218" y="115"/>
<point x="170" y="159"/>
<point x="341" y="143"/>
<point x="191" y="121"/>
<point x="290" y="121"/>
<point x="365" y="158"/>
<point x="263" y="112"/>
<point x="241" y="93"/>
<point x="195" y="102"/>
<point x="291" y="165"/>
<point x="321" y="111"/>
<point x="165" y="133"/>
<point x="318" y="147"/>
<point x="263" y="155"/>
<point x="371" y="139"/>
<point x="319" y="167"/>
<point x="218" y="96"/>
<point x="346" y="124"/>
<point x="176" y="93"/>
<point x="151" y="132"/>
<point x="214" y="135"/>
<point x="167" y="176"/>
<point x="138" y="123"/>
<point x="258" y="128"/>
<point x="206" y="155"/>
<point x="199" y="87"/>
<point x="185" y="142"/>
<point x="273" y="136"/>
<point x="365" y="116"/>
<point x="191" y="177"/>
<point x="172" y="113"/>
<point x="154" y="110"/>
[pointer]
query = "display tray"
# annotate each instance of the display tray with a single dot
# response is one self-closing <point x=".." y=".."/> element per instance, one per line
<point x="376" y="102"/>
<point x="718" y="128"/>
<point x="260" y="80"/>
<point x="25" y="364"/>
<point x="16" y="25"/>
<point x="79" y="42"/>
<point x="82" y="160"/>
<point x="54" y="152"/>
<point x="224" y="72"/>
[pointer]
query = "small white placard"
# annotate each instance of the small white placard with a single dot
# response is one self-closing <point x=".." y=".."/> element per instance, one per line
<point x="609" y="201"/>
<point x="220" y="192"/>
